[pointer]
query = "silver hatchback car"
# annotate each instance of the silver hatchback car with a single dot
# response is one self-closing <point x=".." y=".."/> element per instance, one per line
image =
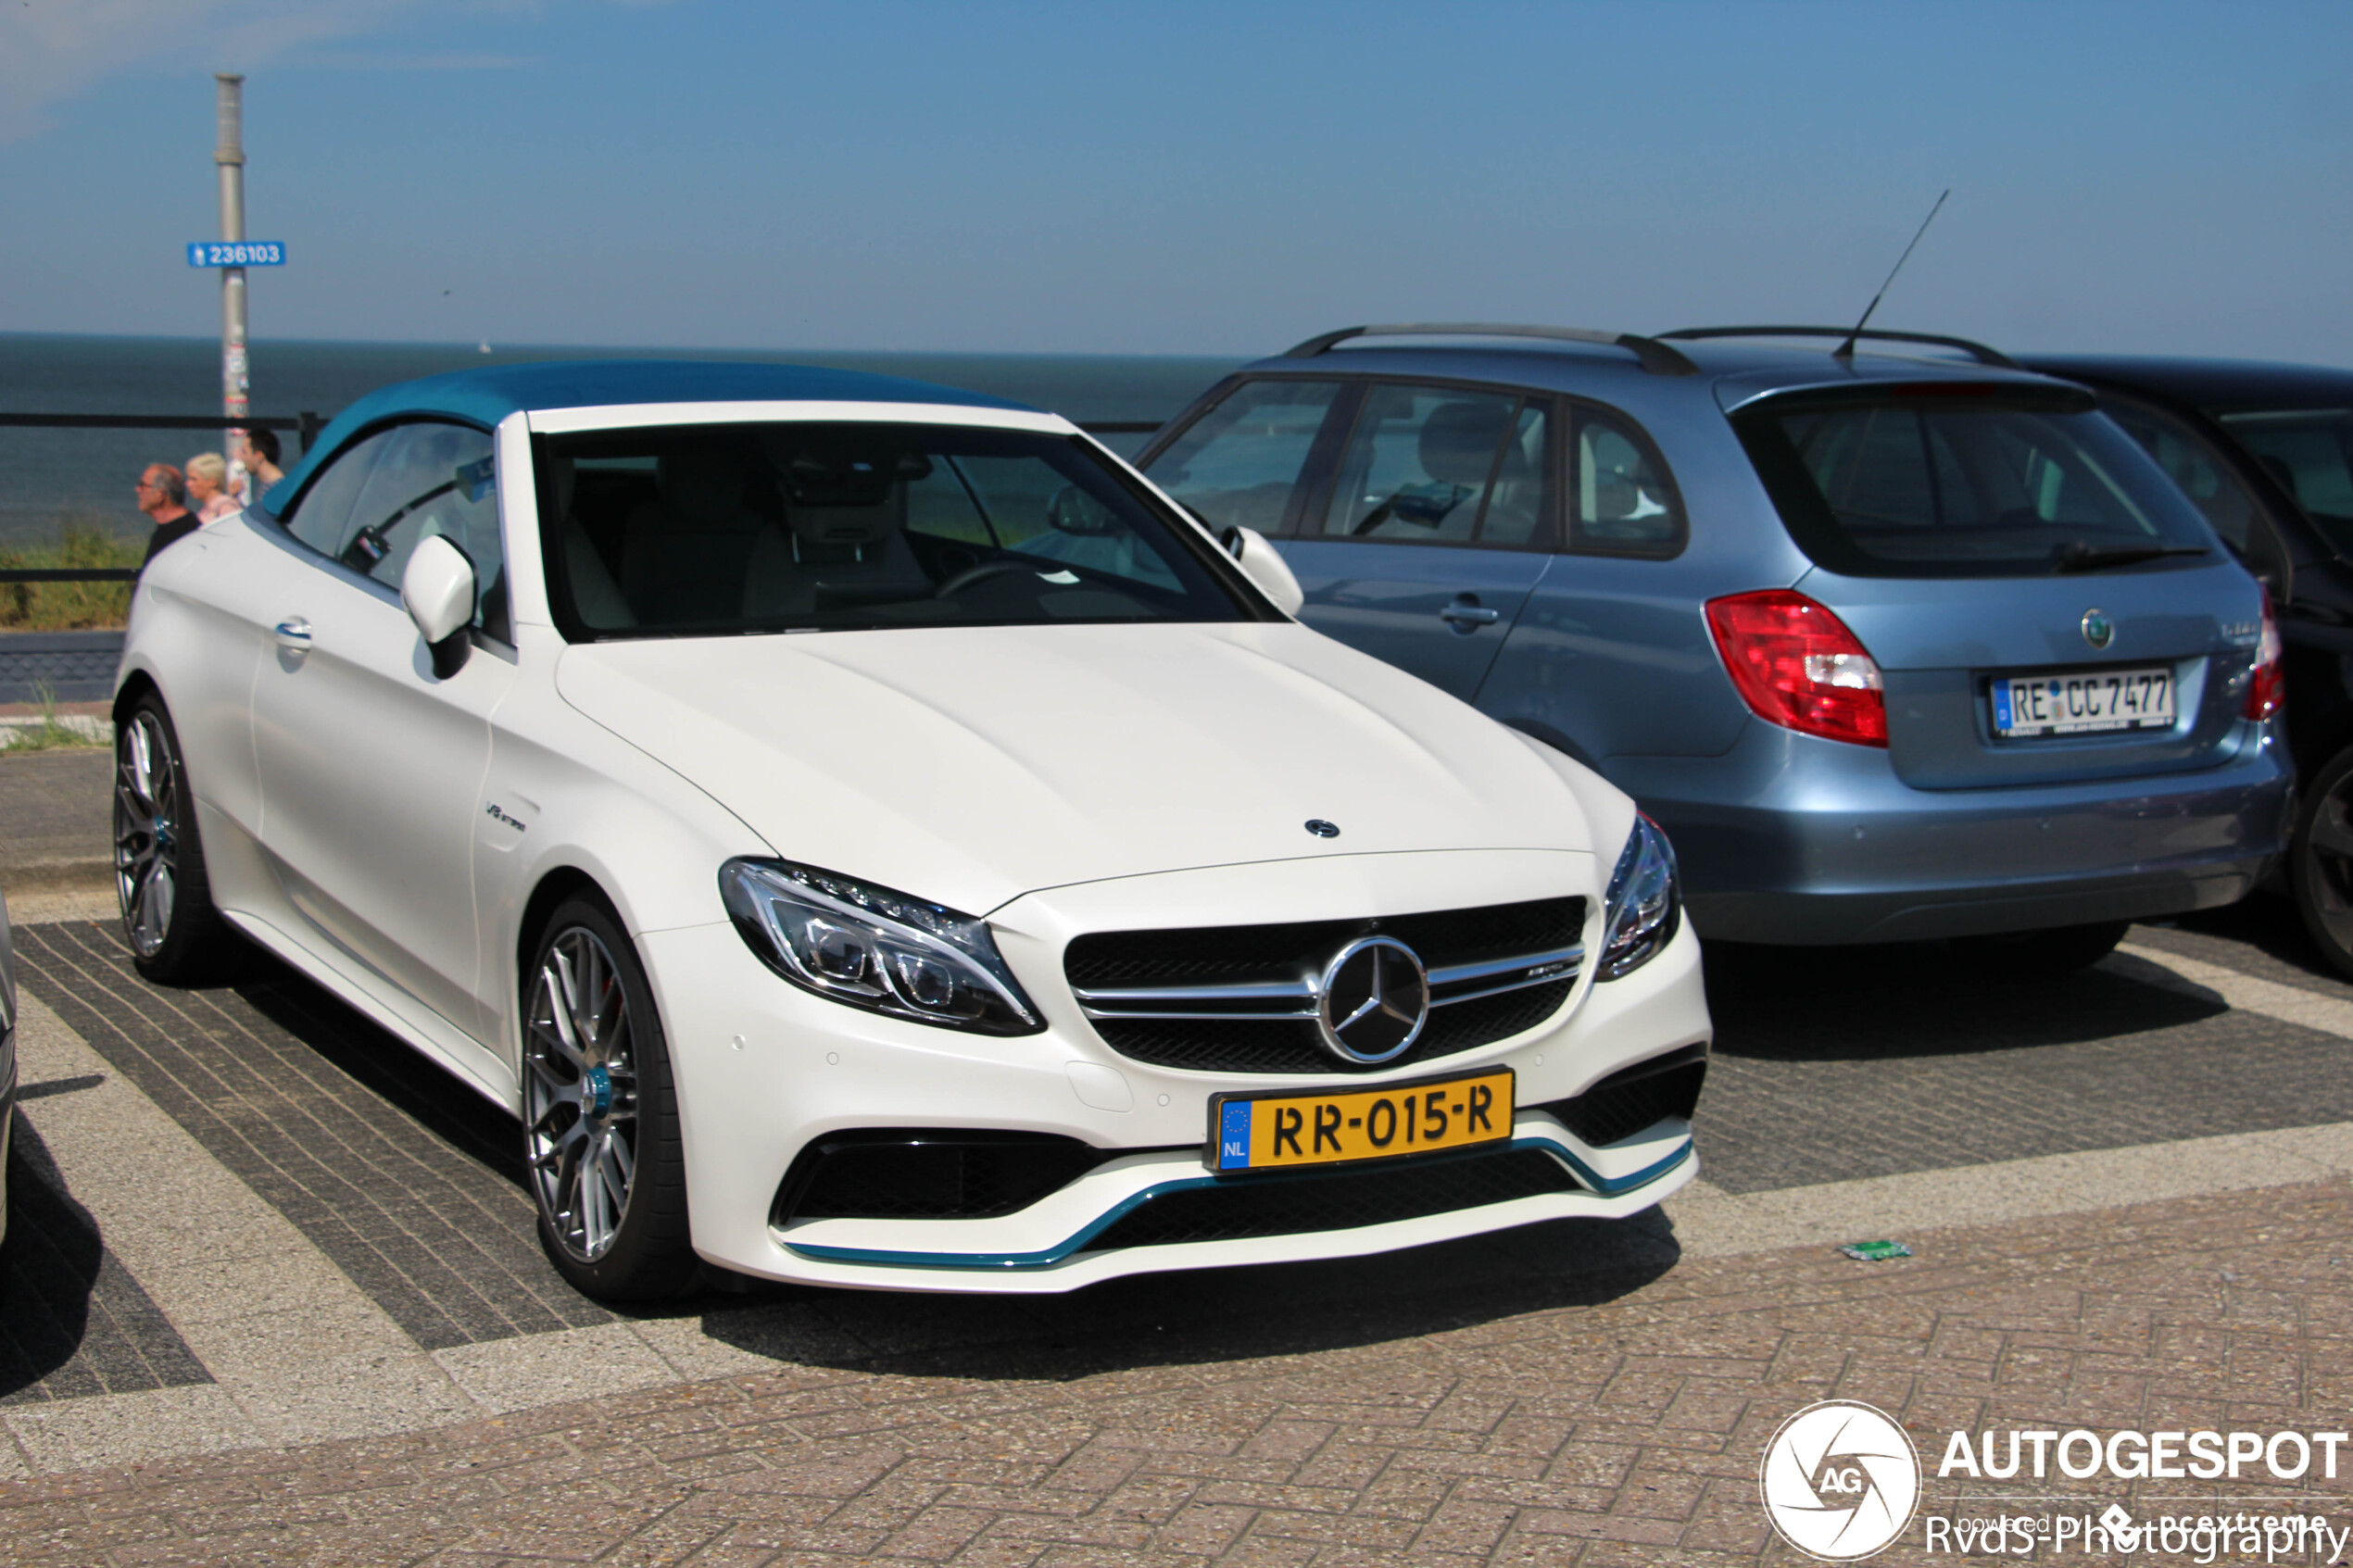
<point x="1895" y="645"/>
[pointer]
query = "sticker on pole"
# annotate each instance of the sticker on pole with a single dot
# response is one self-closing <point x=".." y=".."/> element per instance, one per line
<point x="243" y="253"/>
<point x="1840" y="1480"/>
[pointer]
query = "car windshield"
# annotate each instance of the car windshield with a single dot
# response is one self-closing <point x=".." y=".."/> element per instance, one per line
<point x="715" y="530"/>
<point x="1955" y="485"/>
<point x="2309" y="451"/>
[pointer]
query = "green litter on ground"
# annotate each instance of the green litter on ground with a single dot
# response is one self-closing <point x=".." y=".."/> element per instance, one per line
<point x="1875" y="1251"/>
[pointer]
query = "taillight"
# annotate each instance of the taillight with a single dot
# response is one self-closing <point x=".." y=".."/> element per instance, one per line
<point x="1795" y="664"/>
<point x="2267" y="686"/>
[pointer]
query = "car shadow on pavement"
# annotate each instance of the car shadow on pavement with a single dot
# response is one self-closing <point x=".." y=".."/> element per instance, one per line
<point x="1211" y="1315"/>
<point x="48" y="1265"/>
<point x="72" y="1322"/>
<point x="419" y="1088"/>
<point x="2261" y="935"/>
<point x="1925" y="999"/>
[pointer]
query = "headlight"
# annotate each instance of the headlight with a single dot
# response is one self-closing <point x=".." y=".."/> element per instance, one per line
<point x="867" y="947"/>
<point x="1643" y="908"/>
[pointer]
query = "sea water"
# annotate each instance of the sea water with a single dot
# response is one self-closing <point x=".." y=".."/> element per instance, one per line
<point x="50" y="477"/>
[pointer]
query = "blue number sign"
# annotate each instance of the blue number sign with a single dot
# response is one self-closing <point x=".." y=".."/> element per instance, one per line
<point x="245" y="253"/>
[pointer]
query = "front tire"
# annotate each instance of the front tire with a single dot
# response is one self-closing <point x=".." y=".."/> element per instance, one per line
<point x="601" y="1114"/>
<point x="176" y="936"/>
<point x="2319" y="861"/>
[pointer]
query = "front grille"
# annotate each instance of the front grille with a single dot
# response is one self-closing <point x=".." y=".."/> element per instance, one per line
<point x="1634" y="1097"/>
<point x="928" y="1173"/>
<point x="1241" y="998"/>
<point x="1240" y="1206"/>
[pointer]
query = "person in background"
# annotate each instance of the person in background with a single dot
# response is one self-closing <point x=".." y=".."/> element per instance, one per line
<point x="161" y="493"/>
<point x="208" y="485"/>
<point x="257" y="454"/>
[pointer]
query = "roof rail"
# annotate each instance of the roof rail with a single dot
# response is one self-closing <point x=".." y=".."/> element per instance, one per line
<point x="1656" y="357"/>
<point x="1979" y="352"/>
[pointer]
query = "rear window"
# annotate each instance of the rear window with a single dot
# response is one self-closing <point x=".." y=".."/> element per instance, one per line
<point x="1963" y="486"/>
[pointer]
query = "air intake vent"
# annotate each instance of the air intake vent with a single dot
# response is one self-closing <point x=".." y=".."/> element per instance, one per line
<point x="928" y="1173"/>
<point x="1634" y="1097"/>
<point x="1238" y="1207"/>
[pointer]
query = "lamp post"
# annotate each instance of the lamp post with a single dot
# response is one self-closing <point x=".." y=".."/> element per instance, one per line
<point x="229" y="156"/>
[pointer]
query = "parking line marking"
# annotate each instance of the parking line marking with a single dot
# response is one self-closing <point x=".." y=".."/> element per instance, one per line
<point x="2289" y="1004"/>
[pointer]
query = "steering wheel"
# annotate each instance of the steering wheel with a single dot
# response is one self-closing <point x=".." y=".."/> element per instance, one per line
<point x="973" y="574"/>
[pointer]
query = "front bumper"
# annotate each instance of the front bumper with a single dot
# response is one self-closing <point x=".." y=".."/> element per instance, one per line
<point x="1793" y="840"/>
<point x="763" y="1068"/>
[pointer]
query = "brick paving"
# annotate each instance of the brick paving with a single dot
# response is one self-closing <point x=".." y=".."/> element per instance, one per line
<point x="405" y="1179"/>
<point x="1907" y="1063"/>
<point x="1626" y="1430"/>
<point x="1835" y="1065"/>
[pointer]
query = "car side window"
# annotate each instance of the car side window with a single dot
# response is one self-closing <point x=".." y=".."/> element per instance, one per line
<point x="2189" y="464"/>
<point x="1624" y="504"/>
<point x="432" y="479"/>
<point x="322" y="514"/>
<point x="1433" y="465"/>
<point x="1237" y="465"/>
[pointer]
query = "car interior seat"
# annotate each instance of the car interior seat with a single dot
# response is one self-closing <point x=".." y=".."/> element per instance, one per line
<point x="828" y="557"/>
<point x="596" y="598"/>
<point x="2277" y="467"/>
<point x="1457" y="450"/>
<point x="682" y="558"/>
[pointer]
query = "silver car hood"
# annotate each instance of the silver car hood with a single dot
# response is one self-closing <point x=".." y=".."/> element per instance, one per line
<point x="970" y="765"/>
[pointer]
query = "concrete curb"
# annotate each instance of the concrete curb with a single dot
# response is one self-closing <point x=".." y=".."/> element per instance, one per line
<point x="96" y="731"/>
<point x="81" y="874"/>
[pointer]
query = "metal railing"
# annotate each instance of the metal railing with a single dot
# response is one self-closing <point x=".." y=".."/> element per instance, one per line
<point x="306" y="426"/>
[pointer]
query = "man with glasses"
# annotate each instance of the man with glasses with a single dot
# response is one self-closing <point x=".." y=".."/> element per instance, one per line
<point x="161" y="493"/>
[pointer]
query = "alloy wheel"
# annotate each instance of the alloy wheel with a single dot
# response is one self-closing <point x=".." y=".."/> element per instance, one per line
<point x="580" y="1094"/>
<point x="2328" y="851"/>
<point x="147" y="826"/>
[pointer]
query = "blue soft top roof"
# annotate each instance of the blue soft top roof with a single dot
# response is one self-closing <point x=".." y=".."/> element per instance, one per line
<point x="487" y="395"/>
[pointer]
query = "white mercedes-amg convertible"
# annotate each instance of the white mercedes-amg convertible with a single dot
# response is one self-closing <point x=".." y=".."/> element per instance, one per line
<point x="869" y="837"/>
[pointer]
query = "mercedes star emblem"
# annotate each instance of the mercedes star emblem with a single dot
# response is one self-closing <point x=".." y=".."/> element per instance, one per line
<point x="2098" y="630"/>
<point x="1372" y="1002"/>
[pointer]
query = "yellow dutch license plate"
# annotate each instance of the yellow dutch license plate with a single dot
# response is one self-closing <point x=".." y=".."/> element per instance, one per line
<point x="1275" y="1131"/>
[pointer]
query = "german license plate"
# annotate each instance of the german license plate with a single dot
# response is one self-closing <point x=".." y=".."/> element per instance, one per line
<point x="2084" y="702"/>
<point x="1275" y="1131"/>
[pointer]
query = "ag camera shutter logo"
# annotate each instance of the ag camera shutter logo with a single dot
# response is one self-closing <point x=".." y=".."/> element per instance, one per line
<point x="1840" y="1480"/>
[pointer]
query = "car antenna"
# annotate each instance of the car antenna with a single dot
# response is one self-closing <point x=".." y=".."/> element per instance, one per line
<point x="1846" y="350"/>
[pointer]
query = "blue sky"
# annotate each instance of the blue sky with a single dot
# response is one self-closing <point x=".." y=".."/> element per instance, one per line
<point x="1206" y="177"/>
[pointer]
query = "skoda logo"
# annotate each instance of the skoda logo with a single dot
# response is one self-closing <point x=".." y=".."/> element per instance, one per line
<point x="1372" y="1002"/>
<point x="2098" y="630"/>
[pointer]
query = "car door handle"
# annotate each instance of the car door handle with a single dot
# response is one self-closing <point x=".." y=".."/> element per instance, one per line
<point x="1470" y="615"/>
<point x="294" y="632"/>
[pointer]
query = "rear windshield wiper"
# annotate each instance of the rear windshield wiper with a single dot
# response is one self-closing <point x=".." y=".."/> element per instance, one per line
<point x="2082" y="556"/>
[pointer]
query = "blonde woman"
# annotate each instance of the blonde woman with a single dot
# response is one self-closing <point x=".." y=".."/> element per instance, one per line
<point x="208" y="494"/>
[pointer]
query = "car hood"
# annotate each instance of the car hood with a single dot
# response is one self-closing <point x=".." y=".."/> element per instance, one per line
<point x="970" y="765"/>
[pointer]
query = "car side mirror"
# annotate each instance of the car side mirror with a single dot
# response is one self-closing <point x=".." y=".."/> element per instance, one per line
<point x="1263" y="565"/>
<point x="438" y="590"/>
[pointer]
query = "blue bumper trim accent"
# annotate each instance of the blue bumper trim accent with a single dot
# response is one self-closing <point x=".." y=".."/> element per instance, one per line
<point x="1062" y="1252"/>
